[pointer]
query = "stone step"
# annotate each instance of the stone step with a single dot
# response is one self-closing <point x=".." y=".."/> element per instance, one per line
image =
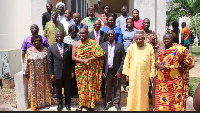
<point x="75" y="101"/>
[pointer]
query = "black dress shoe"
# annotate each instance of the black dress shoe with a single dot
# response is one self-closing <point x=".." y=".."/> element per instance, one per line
<point x="68" y="107"/>
<point x="59" y="108"/>
<point x="107" y="107"/>
<point x="118" y="107"/>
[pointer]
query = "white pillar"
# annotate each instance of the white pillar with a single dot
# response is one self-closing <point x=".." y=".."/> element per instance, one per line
<point x="21" y="90"/>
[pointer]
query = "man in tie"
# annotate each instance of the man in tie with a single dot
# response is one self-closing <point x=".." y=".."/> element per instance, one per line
<point x="98" y="35"/>
<point x="61" y="69"/>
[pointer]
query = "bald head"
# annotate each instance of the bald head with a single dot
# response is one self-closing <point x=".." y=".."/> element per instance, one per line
<point x="59" y="33"/>
<point x="168" y="35"/>
<point x="97" y="25"/>
<point x="146" y="24"/>
<point x="76" y="18"/>
<point x="34" y="29"/>
<point x="168" y="40"/>
<point x="59" y="37"/>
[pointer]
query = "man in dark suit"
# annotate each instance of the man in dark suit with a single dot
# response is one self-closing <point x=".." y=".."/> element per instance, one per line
<point x="113" y="65"/>
<point x="97" y="35"/>
<point x="61" y="69"/>
<point x="77" y="21"/>
<point x="46" y="17"/>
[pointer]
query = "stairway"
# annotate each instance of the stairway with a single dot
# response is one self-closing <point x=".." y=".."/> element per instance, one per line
<point x="75" y="101"/>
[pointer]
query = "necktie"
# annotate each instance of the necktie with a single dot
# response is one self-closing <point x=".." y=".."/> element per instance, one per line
<point x="61" y="51"/>
<point x="96" y="38"/>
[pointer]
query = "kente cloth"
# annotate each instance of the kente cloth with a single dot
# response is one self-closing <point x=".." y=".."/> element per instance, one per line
<point x="39" y="84"/>
<point x="139" y="66"/>
<point x="172" y="84"/>
<point x="89" y="77"/>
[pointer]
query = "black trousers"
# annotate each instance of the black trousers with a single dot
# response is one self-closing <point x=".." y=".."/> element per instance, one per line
<point x="64" y="82"/>
<point x="110" y="80"/>
<point x="74" y="88"/>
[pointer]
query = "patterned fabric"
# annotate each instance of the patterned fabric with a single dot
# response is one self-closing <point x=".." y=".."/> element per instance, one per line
<point x="39" y="81"/>
<point x="61" y="51"/>
<point x="89" y="77"/>
<point x="152" y="39"/>
<point x="172" y="85"/>
<point x="103" y="18"/>
<point x="185" y="32"/>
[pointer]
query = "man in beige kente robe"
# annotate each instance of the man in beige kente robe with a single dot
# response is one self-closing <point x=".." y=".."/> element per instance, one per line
<point x="139" y="66"/>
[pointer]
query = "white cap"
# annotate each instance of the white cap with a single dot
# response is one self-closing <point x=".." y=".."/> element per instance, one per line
<point x="60" y="3"/>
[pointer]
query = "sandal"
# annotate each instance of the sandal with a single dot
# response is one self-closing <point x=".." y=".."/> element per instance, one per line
<point x="79" y="109"/>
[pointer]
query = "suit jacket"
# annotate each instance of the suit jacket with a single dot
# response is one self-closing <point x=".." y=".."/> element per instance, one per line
<point x="102" y="38"/>
<point x="119" y="55"/>
<point x="46" y="17"/>
<point x="58" y="66"/>
<point x="81" y="26"/>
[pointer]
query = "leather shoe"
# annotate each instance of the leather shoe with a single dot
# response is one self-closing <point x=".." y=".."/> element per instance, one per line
<point x="118" y="107"/>
<point x="68" y="107"/>
<point x="59" y="108"/>
<point x="107" y="107"/>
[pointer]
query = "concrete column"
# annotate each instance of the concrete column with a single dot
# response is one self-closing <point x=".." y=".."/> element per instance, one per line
<point x="21" y="90"/>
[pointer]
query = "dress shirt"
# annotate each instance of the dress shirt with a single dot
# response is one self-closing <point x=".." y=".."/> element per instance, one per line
<point x="27" y="43"/>
<point x="121" y="21"/>
<point x="66" y="24"/>
<point x="61" y="17"/>
<point x="128" y="37"/>
<point x="59" y="46"/>
<point x="111" y="48"/>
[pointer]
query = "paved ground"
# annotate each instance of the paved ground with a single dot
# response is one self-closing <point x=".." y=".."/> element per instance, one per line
<point x="195" y="72"/>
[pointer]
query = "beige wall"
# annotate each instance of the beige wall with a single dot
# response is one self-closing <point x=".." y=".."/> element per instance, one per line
<point x="115" y="5"/>
<point x="16" y="18"/>
<point x="155" y="10"/>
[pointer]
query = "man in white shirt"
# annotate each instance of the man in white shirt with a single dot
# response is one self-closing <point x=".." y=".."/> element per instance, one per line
<point x="121" y="20"/>
<point x="67" y="21"/>
<point x="61" y="8"/>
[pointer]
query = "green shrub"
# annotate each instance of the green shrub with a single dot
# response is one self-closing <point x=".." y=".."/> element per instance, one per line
<point x="193" y="82"/>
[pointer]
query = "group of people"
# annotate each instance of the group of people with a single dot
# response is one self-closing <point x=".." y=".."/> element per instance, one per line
<point x="87" y="57"/>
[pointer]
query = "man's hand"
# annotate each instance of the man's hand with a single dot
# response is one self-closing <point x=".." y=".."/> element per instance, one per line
<point x="151" y="80"/>
<point x="103" y="75"/>
<point x="86" y="61"/>
<point x="53" y="77"/>
<point x="161" y="67"/>
<point x="118" y="75"/>
<point x="127" y="79"/>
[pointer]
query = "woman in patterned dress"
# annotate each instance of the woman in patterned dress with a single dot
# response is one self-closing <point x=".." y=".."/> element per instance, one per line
<point x="36" y="71"/>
